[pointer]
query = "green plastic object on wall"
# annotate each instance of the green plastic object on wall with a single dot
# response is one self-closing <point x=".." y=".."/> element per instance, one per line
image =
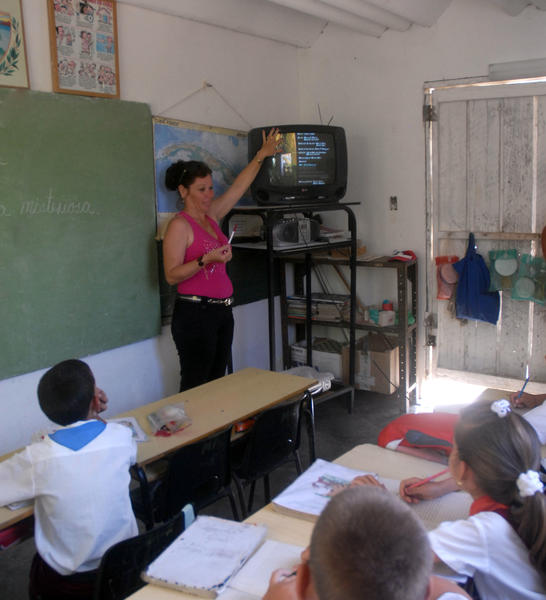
<point x="78" y="264"/>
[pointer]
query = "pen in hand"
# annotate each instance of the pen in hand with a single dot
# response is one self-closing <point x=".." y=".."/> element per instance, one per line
<point x="426" y="479"/>
<point x="522" y="389"/>
<point x="232" y="234"/>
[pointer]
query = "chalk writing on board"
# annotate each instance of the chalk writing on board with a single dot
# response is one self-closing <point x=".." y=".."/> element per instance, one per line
<point x="4" y="211"/>
<point x="50" y="206"/>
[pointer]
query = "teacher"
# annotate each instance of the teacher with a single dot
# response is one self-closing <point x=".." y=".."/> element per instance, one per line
<point x="195" y="253"/>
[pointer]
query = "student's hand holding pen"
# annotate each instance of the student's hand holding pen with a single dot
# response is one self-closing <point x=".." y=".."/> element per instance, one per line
<point x="282" y="585"/>
<point x="413" y="491"/>
<point x="525" y="400"/>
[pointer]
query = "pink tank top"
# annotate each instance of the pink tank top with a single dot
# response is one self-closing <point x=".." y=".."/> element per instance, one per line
<point x="212" y="280"/>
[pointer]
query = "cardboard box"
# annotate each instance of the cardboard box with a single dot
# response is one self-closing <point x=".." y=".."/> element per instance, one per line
<point x="326" y="356"/>
<point x="376" y="364"/>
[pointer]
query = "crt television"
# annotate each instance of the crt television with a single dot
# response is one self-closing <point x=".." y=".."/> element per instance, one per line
<point x="310" y="166"/>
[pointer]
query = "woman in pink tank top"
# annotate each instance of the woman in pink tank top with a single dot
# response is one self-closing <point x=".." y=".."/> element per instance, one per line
<point x="195" y="253"/>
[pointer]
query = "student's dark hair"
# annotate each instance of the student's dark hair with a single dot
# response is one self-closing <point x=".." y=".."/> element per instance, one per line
<point x="368" y="544"/>
<point x="66" y="390"/>
<point x="185" y="173"/>
<point x="499" y="449"/>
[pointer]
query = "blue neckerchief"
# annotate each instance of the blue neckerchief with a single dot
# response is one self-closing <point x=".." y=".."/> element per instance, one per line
<point x="76" y="438"/>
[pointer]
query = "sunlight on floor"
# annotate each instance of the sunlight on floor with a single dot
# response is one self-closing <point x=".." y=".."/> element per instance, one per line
<point x="447" y="394"/>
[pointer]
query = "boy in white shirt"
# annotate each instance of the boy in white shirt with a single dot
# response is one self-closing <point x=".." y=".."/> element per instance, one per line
<point x="366" y="544"/>
<point x="79" y="478"/>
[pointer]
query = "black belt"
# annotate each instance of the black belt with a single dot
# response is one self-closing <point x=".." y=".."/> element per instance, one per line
<point x="205" y="300"/>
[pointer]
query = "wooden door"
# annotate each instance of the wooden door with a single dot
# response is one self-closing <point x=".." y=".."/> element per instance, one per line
<point x="486" y="155"/>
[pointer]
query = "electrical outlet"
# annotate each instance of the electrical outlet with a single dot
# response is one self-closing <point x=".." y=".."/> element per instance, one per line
<point x="393" y="203"/>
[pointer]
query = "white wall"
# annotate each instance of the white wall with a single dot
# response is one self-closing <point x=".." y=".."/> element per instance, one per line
<point x="374" y="88"/>
<point x="162" y="60"/>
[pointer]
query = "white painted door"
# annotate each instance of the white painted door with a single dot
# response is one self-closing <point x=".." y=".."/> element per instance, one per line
<point x="486" y="158"/>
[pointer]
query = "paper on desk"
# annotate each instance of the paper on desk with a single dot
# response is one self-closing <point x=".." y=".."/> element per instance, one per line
<point x="252" y="580"/>
<point x="132" y="423"/>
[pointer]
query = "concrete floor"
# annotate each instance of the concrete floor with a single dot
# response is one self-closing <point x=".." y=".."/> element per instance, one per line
<point x="336" y="433"/>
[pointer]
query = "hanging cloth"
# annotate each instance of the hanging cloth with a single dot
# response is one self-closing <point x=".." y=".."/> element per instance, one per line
<point x="473" y="300"/>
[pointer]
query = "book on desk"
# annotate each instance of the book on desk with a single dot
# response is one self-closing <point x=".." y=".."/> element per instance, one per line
<point x="307" y="496"/>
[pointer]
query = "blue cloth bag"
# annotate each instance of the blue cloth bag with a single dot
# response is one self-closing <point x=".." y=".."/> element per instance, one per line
<point x="473" y="300"/>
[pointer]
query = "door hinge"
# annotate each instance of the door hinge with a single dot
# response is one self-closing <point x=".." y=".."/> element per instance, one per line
<point x="429" y="113"/>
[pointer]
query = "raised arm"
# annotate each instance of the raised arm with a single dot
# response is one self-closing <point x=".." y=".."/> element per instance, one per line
<point x="224" y="203"/>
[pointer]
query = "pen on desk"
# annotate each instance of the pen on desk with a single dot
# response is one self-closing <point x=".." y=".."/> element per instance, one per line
<point x="427" y="479"/>
<point x="522" y="389"/>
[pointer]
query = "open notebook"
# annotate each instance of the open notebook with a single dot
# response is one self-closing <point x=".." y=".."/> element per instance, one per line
<point x="203" y="559"/>
<point x="311" y="491"/>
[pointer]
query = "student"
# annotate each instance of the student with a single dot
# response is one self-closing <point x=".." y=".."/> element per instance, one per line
<point x="502" y="545"/>
<point x="79" y="478"/>
<point x="366" y="544"/>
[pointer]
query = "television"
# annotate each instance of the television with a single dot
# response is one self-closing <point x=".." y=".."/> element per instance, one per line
<point x="310" y="166"/>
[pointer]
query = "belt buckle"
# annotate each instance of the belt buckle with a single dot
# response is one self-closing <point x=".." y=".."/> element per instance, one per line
<point x="228" y="301"/>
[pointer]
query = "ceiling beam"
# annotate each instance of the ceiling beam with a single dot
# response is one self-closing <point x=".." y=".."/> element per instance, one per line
<point x="321" y="10"/>
<point x="259" y="18"/>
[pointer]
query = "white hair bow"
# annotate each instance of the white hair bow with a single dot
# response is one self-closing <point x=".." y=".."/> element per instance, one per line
<point x="501" y="407"/>
<point x="529" y="483"/>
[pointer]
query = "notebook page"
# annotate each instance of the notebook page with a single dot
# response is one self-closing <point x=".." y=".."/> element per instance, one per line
<point x="253" y="578"/>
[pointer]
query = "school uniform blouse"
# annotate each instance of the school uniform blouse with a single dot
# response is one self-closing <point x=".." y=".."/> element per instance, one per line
<point x="79" y="478"/>
<point x="486" y="547"/>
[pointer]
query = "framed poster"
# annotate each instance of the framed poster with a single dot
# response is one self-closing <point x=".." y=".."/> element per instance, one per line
<point x="84" y="49"/>
<point x="13" y="59"/>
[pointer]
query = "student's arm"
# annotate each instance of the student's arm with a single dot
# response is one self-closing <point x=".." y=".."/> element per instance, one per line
<point x="16" y="477"/>
<point x="224" y="203"/>
<point x="440" y="586"/>
<point x="427" y="491"/>
<point x="526" y="400"/>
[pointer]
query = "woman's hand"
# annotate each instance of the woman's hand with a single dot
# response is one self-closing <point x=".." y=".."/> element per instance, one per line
<point x="270" y="143"/>
<point x="426" y="491"/>
<point x="222" y="255"/>
<point x="366" y="480"/>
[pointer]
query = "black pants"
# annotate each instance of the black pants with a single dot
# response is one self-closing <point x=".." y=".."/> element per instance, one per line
<point x="46" y="584"/>
<point x="202" y="334"/>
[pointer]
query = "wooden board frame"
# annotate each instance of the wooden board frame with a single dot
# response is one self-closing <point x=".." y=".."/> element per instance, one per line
<point x="13" y="61"/>
<point x="83" y="44"/>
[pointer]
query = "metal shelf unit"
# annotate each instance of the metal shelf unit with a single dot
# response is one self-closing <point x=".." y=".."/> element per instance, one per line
<point x="404" y="335"/>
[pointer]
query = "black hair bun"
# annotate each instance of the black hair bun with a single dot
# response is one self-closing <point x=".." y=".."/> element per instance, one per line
<point x="173" y="175"/>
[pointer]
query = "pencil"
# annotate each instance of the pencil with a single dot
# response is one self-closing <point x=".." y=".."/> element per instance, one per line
<point x="427" y="479"/>
<point x="522" y="389"/>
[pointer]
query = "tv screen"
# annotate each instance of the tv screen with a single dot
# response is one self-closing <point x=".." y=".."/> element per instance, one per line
<point x="310" y="166"/>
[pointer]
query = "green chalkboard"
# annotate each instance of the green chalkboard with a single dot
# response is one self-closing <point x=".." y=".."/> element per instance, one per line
<point x="78" y="264"/>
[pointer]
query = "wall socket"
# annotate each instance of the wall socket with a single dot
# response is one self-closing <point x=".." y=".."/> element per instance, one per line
<point x="393" y="203"/>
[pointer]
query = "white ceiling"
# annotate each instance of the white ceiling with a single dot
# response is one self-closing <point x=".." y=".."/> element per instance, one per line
<point x="300" y="22"/>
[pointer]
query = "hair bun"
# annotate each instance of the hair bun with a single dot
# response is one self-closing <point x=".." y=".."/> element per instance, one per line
<point x="173" y="175"/>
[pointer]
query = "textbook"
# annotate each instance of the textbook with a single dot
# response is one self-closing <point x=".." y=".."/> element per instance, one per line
<point x="203" y="559"/>
<point x="311" y="491"/>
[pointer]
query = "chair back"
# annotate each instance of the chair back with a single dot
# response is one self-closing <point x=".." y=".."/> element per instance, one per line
<point x="272" y="441"/>
<point x="120" y="568"/>
<point x="199" y="474"/>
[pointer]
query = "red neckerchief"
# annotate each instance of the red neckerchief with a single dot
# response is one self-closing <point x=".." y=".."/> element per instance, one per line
<point x="487" y="504"/>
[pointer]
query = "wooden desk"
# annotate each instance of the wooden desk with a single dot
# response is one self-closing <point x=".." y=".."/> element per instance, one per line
<point x="291" y="530"/>
<point x="212" y="406"/>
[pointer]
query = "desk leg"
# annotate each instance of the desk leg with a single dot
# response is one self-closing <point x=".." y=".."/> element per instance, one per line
<point x="309" y="413"/>
<point x="140" y="475"/>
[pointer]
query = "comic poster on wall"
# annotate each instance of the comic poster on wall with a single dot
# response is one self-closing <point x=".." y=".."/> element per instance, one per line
<point x="83" y="42"/>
